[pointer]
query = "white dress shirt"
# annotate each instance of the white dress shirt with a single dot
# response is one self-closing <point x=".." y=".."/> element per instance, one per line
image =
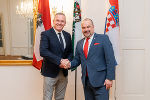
<point x="63" y="38"/>
<point x="90" y="40"/>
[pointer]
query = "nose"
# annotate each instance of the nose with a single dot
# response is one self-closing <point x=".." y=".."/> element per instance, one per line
<point x="85" y="28"/>
<point x="59" y="22"/>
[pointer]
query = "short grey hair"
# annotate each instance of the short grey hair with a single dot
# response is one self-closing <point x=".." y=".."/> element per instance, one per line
<point x="60" y="13"/>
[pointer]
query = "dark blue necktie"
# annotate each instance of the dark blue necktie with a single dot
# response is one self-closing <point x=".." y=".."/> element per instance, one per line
<point x="61" y="41"/>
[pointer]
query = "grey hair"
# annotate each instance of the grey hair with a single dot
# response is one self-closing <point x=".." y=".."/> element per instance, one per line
<point x="60" y="13"/>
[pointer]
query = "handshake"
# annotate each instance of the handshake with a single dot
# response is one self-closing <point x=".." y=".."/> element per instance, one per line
<point x="65" y="63"/>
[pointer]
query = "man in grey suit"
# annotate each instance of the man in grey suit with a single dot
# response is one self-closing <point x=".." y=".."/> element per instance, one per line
<point x="95" y="54"/>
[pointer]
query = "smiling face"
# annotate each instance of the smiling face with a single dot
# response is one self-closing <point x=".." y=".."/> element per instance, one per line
<point x="59" y="22"/>
<point x="87" y="28"/>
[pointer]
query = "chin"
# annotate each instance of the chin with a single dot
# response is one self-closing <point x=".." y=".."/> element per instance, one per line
<point x="87" y="35"/>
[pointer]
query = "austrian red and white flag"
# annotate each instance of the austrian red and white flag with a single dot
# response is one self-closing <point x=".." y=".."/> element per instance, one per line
<point x="43" y="23"/>
<point x="112" y="27"/>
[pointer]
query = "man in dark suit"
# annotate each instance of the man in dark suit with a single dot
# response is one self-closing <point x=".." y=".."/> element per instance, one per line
<point x="55" y="45"/>
<point x="95" y="54"/>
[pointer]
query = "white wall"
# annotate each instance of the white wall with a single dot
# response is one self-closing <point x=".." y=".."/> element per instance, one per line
<point x="20" y="83"/>
<point x="96" y="10"/>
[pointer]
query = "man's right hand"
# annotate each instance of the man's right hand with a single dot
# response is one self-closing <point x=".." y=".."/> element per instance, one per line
<point x="64" y="63"/>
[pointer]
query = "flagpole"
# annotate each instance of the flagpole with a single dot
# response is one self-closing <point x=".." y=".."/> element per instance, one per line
<point x="76" y="34"/>
<point x="105" y="26"/>
<point x="76" y="84"/>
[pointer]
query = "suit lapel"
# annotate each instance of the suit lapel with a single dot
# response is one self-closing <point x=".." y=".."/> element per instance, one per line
<point x="57" y="43"/>
<point x="81" y="46"/>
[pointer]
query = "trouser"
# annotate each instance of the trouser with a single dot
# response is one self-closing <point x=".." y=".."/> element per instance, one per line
<point x="95" y="93"/>
<point x="57" y="85"/>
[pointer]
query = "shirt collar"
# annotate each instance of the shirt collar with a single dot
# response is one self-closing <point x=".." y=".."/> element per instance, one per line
<point x="57" y="31"/>
<point x="90" y="37"/>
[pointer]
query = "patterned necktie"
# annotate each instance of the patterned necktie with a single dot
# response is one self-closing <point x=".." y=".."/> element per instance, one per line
<point x="61" y="41"/>
<point x="86" y="47"/>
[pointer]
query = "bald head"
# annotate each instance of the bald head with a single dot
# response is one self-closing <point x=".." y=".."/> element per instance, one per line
<point x="87" y="19"/>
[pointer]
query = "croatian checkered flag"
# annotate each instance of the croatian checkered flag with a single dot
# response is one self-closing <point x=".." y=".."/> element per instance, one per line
<point x="112" y="27"/>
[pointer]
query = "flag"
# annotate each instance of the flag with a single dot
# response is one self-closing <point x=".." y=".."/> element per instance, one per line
<point x="76" y="30"/>
<point x="112" y="26"/>
<point x="43" y="23"/>
<point x="76" y="34"/>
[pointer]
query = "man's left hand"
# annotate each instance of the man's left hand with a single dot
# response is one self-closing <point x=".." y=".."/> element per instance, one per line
<point x="64" y="63"/>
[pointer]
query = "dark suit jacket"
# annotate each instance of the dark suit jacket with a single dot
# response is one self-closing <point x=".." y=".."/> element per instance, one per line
<point x="100" y="61"/>
<point x="52" y="53"/>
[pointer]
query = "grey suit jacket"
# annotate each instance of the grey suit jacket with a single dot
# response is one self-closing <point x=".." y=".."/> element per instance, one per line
<point x="100" y="61"/>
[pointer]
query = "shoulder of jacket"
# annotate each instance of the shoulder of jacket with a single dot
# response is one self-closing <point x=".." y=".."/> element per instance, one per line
<point x="66" y="32"/>
<point x="80" y="40"/>
<point x="101" y="35"/>
<point x="51" y="30"/>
